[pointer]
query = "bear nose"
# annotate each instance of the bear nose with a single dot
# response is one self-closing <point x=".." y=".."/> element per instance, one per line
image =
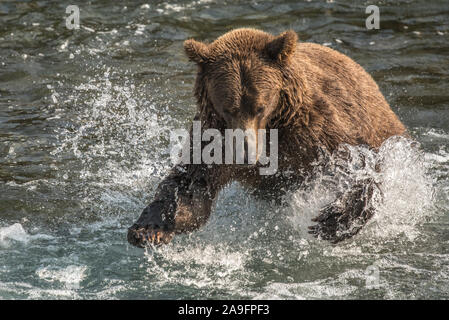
<point x="250" y="144"/>
<point x="246" y="150"/>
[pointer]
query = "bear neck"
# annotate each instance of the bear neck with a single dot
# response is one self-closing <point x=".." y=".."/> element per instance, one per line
<point x="294" y="102"/>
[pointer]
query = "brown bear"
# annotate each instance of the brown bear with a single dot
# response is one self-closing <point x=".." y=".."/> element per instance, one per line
<point x="316" y="98"/>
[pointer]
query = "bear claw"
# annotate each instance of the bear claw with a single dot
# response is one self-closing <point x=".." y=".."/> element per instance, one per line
<point x="147" y="236"/>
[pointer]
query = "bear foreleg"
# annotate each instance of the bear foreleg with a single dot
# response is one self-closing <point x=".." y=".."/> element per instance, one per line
<point x="346" y="216"/>
<point x="182" y="203"/>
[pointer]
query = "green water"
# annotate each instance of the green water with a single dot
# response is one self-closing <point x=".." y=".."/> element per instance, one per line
<point x="85" y="118"/>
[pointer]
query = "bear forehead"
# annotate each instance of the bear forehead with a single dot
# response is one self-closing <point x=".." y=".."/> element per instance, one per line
<point x="240" y="41"/>
<point x="244" y="75"/>
<point x="236" y="85"/>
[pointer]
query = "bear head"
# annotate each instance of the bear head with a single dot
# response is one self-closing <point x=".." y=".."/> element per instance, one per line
<point x="240" y="76"/>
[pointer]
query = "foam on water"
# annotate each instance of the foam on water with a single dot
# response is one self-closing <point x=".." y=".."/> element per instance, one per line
<point x="14" y="232"/>
<point x="200" y="265"/>
<point x="70" y="276"/>
<point x="32" y="292"/>
<point x="321" y="289"/>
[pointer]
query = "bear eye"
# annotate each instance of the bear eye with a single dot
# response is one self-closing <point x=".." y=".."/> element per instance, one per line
<point x="229" y="112"/>
<point x="259" y="109"/>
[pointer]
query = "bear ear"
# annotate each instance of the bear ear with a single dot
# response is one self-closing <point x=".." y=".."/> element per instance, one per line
<point x="283" y="46"/>
<point x="196" y="51"/>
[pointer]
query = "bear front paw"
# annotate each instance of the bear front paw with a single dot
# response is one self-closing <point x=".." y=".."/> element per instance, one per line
<point x="149" y="235"/>
<point x="346" y="216"/>
<point x="336" y="223"/>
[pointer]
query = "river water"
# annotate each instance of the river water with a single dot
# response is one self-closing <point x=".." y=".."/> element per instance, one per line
<point x="85" y="118"/>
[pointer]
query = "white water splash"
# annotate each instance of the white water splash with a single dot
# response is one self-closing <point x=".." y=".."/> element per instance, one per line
<point x="71" y="276"/>
<point x="14" y="232"/>
<point x="205" y="266"/>
<point x="404" y="200"/>
<point x="120" y="139"/>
